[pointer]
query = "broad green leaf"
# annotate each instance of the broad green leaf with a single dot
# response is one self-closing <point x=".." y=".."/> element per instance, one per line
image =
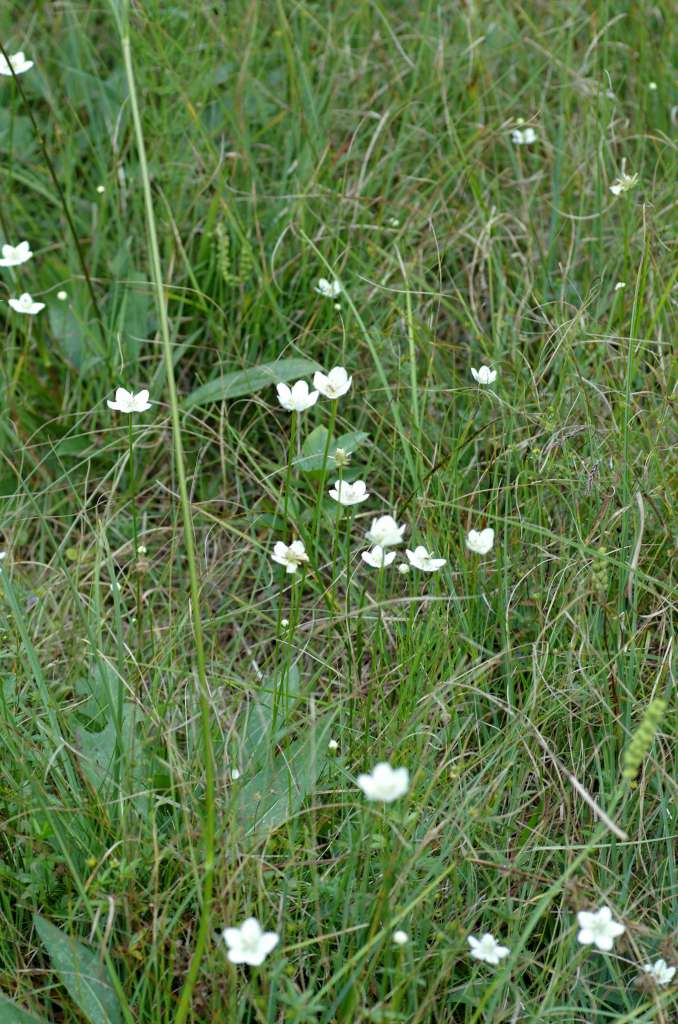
<point x="81" y="972"/>
<point x="69" y="331"/>
<point x="313" y="449"/>
<point x="246" y="382"/>
<point x="259" y="716"/>
<point x="10" y="1013"/>
<point x="277" y="791"/>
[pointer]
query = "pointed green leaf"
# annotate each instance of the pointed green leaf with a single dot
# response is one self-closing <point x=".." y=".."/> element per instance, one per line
<point x="246" y="382"/>
<point x="81" y="972"/>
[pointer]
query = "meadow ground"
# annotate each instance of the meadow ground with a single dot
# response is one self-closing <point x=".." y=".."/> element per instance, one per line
<point x="183" y="723"/>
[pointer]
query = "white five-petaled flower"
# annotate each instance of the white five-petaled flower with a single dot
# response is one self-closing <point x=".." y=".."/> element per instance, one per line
<point x="349" y="494"/>
<point x="421" y="559"/>
<point x="17" y="63"/>
<point x="377" y="557"/>
<point x="660" y="971"/>
<point x="248" y="944"/>
<point x="487" y="948"/>
<point x="523" y="136"/>
<point x="480" y="541"/>
<point x="126" y="401"/>
<point x="26" y="304"/>
<point x="15" y="255"/>
<point x="297" y="398"/>
<point x="400" y="938"/>
<point x="624" y="183"/>
<point x="290" y="556"/>
<point x="385" y="532"/>
<point x="598" y="928"/>
<point x="484" y="375"/>
<point x="384" y="783"/>
<point x="333" y="384"/>
<point x="330" y="289"/>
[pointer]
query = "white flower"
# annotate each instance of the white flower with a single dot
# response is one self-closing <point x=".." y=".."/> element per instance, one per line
<point x="377" y="557"/>
<point x="487" y="948"/>
<point x="62" y="296"/>
<point x="385" y="783"/>
<point x="17" y="63"/>
<point x="523" y="137"/>
<point x="652" y="86"/>
<point x="297" y="398"/>
<point x="385" y="532"/>
<point x="125" y="401"/>
<point x="623" y="183"/>
<point x="290" y="556"/>
<point x="330" y="289"/>
<point x="598" y="928"/>
<point x="342" y="458"/>
<point x="334" y="384"/>
<point x="393" y="222"/>
<point x="15" y="255"/>
<point x="235" y="774"/>
<point x="420" y="559"/>
<point x="25" y="304"/>
<point x="333" y="745"/>
<point x="248" y="944"/>
<point x="349" y="494"/>
<point x="661" y="973"/>
<point x="480" y="542"/>
<point x="620" y="285"/>
<point x="101" y="189"/>
<point x="484" y="375"/>
<point x="403" y="568"/>
<point x="400" y="938"/>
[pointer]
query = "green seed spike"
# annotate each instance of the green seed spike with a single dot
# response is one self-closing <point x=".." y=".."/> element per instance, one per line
<point x="642" y="739"/>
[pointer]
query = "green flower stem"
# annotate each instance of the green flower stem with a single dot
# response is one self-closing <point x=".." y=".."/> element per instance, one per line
<point x="210" y="811"/>
<point x="323" y="477"/>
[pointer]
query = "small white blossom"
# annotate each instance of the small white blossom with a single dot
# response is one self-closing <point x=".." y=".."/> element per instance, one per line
<point x="400" y="938"/>
<point x="101" y="189"/>
<point x="660" y="972"/>
<point x="291" y="556"/>
<point x="403" y="568"/>
<point x="342" y="458"/>
<point x="598" y="928"/>
<point x="421" y="559"/>
<point x="25" y="304"/>
<point x="384" y="783"/>
<point x="349" y="494"/>
<point x="284" y="623"/>
<point x="620" y="285"/>
<point x="235" y="774"/>
<point x="393" y="222"/>
<point x="484" y="375"/>
<point x="385" y="532"/>
<point x="330" y="289"/>
<point x="480" y="542"/>
<point x="17" y="63"/>
<point x="624" y="183"/>
<point x="15" y="255"/>
<point x="297" y="398"/>
<point x="652" y="86"/>
<point x="377" y="557"/>
<point x="334" y="384"/>
<point x="127" y="402"/>
<point x="248" y="944"/>
<point x="62" y="296"/>
<point x="523" y="137"/>
<point x="487" y="948"/>
<point x="333" y="745"/>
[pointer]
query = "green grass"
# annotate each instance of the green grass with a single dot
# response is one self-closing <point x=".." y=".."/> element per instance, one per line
<point x="285" y="142"/>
